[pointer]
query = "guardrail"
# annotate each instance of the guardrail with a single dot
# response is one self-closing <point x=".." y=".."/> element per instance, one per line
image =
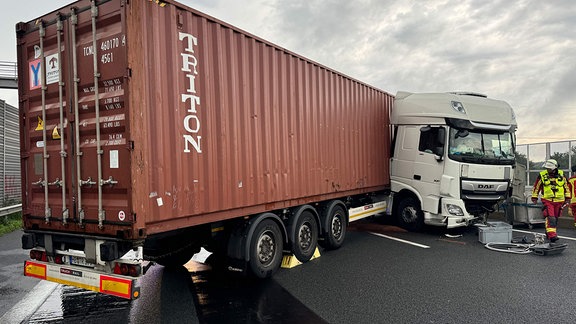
<point x="5" y="211"/>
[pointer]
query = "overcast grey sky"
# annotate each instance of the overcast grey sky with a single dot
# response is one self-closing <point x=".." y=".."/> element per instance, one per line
<point x="520" y="51"/>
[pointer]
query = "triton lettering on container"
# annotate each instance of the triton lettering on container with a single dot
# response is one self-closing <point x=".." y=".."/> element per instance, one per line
<point x="150" y="129"/>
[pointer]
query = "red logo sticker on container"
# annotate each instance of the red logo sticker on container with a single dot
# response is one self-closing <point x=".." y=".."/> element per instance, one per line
<point x="121" y="215"/>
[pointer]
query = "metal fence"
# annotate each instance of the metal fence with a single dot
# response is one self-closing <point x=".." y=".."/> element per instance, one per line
<point x="8" y="75"/>
<point x="8" y="70"/>
<point x="532" y="156"/>
<point x="10" y="183"/>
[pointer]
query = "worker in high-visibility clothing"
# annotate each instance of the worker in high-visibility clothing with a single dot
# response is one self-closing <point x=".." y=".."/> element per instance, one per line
<point x="555" y="195"/>
<point x="572" y="187"/>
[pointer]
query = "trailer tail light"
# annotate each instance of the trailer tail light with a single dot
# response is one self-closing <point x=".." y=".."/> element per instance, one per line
<point x="126" y="269"/>
<point x="59" y="259"/>
<point x="134" y="271"/>
<point x="121" y="268"/>
<point x="38" y="255"/>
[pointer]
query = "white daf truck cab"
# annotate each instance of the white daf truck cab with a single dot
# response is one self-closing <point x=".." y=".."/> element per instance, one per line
<point x="452" y="157"/>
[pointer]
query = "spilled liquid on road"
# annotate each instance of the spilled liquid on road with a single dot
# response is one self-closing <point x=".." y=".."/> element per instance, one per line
<point x="194" y="294"/>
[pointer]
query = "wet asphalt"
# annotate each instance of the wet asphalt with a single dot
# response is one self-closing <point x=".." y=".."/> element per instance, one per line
<point x="371" y="279"/>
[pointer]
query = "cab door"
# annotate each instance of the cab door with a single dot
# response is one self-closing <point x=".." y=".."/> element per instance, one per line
<point x="429" y="166"/>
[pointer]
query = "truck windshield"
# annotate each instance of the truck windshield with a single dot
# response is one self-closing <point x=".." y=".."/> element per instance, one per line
<point x="482" y="148"/>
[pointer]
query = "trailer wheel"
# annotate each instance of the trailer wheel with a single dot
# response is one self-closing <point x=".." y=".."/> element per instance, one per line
<point x="334" y="228"/>
<point x="266" y="249"/>
<point x="304" y="235"/>
<point x="410" y="214"/>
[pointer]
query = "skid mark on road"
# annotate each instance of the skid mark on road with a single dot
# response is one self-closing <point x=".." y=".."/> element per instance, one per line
<point x="360" y="226"/>
<point x="451" y="241"/>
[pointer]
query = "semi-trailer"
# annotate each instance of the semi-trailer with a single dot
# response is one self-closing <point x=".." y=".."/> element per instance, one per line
<point x="150" y="129"/>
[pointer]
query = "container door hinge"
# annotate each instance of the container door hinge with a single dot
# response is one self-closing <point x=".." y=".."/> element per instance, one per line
<point x="180" y="20"/>
<point x="131" y="145"/>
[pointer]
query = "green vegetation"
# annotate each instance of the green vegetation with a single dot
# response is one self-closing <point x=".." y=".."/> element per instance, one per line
<point x="10" y="223"/>
<point x="563" y="160"/>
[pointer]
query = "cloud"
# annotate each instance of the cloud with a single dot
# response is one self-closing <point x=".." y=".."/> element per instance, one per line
<point x="519" y="51"/>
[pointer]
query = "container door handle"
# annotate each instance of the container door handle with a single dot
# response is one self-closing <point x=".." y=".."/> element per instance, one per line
<point x="88" y="182"/>
<point x="110" y="181"/>
<point x="57" y="183"/>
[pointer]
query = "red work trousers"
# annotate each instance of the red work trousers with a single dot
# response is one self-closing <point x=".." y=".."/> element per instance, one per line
<point x="551" y="212"/>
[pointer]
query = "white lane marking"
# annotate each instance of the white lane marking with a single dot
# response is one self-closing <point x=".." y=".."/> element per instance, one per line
<point x="401" y="240"/>
<point x="562" y="237"/>
<point x="30" y="303"/>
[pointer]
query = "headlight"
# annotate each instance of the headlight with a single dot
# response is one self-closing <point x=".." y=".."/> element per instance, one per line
<point x="455" y="210"/>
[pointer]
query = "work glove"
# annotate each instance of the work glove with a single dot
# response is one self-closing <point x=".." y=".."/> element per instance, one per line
<point x="534" y="200"/>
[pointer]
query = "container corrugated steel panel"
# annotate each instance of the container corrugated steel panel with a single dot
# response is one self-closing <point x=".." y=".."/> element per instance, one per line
<point x="10" y="189"/>
<point x="198" y="120"/>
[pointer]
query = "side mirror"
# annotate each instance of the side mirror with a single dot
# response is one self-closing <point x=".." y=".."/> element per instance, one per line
<point x="441" y="140"/>
<point x="441" y="136"/>
<point x="439" y="153"/>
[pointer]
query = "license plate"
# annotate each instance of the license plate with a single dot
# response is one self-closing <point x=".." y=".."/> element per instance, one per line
<point x="80" y="261"/>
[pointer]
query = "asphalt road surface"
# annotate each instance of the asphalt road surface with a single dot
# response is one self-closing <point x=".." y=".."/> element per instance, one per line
<point x="381" y="275"/>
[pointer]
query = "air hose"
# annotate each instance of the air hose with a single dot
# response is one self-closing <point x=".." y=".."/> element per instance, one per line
<point x="516" y="248"/>
<point x="527" y="247"/>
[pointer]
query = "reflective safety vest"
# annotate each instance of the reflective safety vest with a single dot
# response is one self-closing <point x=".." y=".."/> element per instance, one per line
<point x="553" y="187"/>
<point x="572" y="186"/>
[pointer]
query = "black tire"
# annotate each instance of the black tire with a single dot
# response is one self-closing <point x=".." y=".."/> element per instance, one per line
<point x="266" y="249"/>
<point x="410" y="215"/>
<point x="334" y="228"/>
<point x="304" y="235"/>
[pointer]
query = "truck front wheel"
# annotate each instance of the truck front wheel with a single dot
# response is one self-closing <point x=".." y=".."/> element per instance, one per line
<point x="410" y="215"/>
<point x="266" y="249"/>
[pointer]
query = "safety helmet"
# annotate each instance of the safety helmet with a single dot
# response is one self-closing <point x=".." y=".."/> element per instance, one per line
<point x="550" y="164"/>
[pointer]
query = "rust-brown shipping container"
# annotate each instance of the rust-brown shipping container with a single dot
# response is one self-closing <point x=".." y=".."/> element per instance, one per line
<point x="149" y="117"/>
